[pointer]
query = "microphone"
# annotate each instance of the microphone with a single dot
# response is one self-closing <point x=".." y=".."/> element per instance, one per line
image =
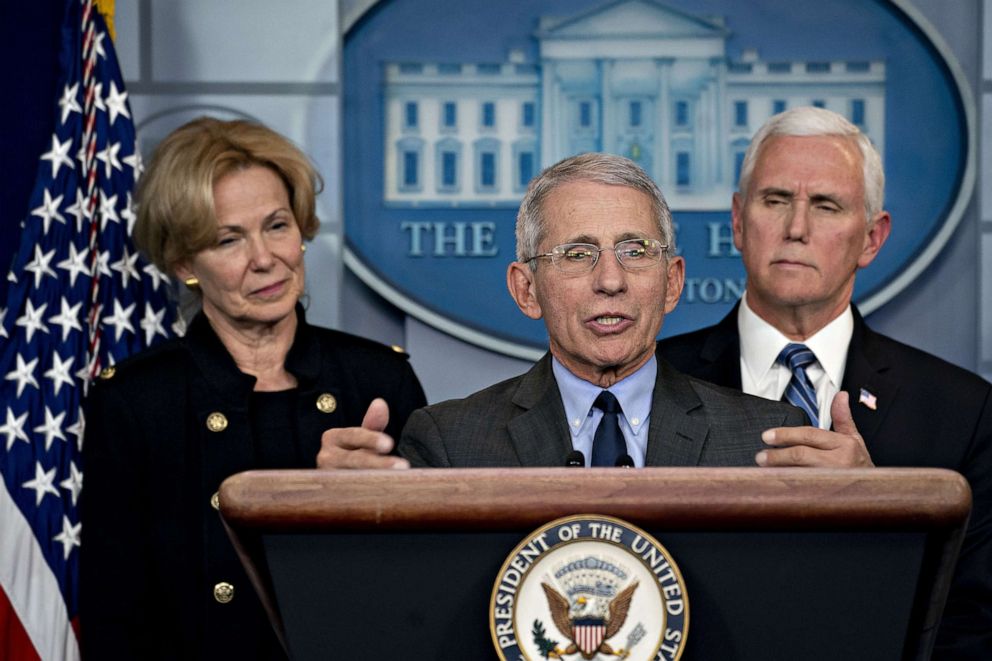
<point x="624" y="461"/>
<point x="575" y="459"/>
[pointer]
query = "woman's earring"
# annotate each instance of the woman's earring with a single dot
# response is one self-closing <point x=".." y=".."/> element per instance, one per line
<point x="303" y="247"/>
<point x="192" y="282"/>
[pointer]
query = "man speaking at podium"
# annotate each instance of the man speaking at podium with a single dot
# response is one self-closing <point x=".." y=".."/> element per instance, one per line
<point x="596" y="262"/>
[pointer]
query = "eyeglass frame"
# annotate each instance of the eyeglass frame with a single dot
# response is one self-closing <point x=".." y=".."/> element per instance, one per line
<point x="558" y="251"/>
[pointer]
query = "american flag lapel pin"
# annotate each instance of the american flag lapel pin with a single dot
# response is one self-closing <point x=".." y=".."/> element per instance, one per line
<point x="868" y="399"/>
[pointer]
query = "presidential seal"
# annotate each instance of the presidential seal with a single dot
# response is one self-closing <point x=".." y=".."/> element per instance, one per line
<point x="589" y="587"/>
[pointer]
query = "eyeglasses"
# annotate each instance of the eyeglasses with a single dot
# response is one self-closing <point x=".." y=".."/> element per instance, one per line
<point x="576" y="258"/>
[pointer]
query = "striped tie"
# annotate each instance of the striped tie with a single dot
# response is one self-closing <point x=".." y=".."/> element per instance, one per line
<point x="800" y="391"/>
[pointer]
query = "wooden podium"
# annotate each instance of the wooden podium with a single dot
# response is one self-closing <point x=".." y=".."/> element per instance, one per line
<point x="778" y="563"/>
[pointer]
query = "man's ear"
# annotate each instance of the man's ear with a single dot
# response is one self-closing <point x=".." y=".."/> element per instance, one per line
<point x="736" y="219"/>
<point x="520" y="282"/>
<point x="875" y="238"/>
<point x="676" y="279"/>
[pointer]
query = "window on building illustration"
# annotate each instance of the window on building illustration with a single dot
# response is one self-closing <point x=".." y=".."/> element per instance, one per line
<point x="780" y="67"/>
<point x="778" y="105"/>
<point x="682" y="174"/>
<point x="681" y="113"/>
<point x="450" y="114"/>
<point x="411" y="67"/>
<point x="819" y="103"/>
<point x="527" y="114"/>
<point x="635" y="114"/>
<point x="449" y="169"/>
<point x="410" y="164"/>
<point x="525" y="168"/>
<point x="585" y="114"/>
<point x="489" y="114"/>
<point x="410" y="115"/>
<point x="858" y="112"/>
<point x="858" y="67"/>
<point x="488" y="69"/>
<point x="740" y="113"/>
<point x="449" y="69"/>
<point x="487" y="169"/>
<point x="738" y="165"/>
<point x="818" y="67"/>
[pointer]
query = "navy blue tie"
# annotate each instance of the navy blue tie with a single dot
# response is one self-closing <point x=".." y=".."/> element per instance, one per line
<point x="800" y="391"/>
<point x="608" y="443"/>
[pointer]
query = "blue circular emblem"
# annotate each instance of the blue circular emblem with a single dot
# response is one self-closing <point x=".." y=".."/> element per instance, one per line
<point x="452" y="106"/>
<point x="587" y="585"/>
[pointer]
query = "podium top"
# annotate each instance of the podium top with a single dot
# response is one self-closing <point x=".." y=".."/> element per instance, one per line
<point x="677" y="498"/>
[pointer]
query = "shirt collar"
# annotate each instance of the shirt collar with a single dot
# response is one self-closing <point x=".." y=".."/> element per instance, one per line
<point x="761" y="343"/>
<point x="634" y="393"/>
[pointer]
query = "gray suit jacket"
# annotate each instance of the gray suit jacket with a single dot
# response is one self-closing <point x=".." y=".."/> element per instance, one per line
<point x="521" y="422"/>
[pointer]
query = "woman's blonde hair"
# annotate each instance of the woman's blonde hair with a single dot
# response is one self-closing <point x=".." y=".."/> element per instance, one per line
<point x="175" y="196"/>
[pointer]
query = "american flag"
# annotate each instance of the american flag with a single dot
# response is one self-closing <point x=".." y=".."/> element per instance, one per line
<point x="79" y="299"/>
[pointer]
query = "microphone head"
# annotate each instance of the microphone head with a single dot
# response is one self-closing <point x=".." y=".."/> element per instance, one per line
<point x="624" y="461"/>
<point x="575" y="459"/>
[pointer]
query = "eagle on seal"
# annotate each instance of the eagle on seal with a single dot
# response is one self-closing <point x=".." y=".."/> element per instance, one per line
<point x="586" y="631"/>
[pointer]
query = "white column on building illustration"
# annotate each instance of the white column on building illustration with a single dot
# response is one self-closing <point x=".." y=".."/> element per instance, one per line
<point x="663" y="134"/>
<point x="703" y="135"/>
<point x="551" y="119"/>
<point x="720" y="128"/>
<point x="608" y="109"/>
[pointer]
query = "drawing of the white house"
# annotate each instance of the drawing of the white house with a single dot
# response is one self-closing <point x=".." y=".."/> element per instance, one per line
<point x="632" y="77"/>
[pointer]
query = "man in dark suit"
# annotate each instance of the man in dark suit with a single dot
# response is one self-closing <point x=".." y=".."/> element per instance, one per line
<point x="807" y="215"/>
<point x="595" y="262"/>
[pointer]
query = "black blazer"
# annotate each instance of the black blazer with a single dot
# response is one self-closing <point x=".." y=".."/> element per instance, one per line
<point x="521" y="422"/>
<point x="155" y="547"/>
<point x="928" y="413"/>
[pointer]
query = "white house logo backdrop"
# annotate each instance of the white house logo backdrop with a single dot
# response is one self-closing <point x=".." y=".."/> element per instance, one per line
<point x="589" y="587"/>
<point x="452" y="106"/>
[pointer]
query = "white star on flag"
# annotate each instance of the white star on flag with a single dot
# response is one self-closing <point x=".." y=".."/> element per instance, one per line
<point x="120" y="320"/>
<point x="78" y="210"/>
<point x="59" y="154"/>
<point x="42" y="483"/>
<point x="108" y="211"/>
<point x="40" y="265"/>
<point x="67" y="318"/>
<point x="151" y="323"/>
<point x="51" y="428"/>
<point x="116" y="103"/>
<point x="32" y="320"/>
<point x="59" y="373"/>
<point x="126" y="267"/>
<point x="49" y="210"/>
<point x="79" y="426"/>
<point x="69" y="537"/>
<point x="14" y="428"/>
<point x="68" y="102"/>
<point x="75" y="264"/>
<point x="108" y="156"/>
<point x="74" y="483"/>
<point x="157" y="276"/>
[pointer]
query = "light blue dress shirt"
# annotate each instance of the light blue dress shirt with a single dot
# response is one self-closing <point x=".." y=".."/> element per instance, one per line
<point x="634" y="394"/>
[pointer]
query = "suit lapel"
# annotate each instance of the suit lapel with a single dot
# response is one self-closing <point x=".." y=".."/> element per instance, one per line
<point x="674" y="438"/>
<point x="867" y="369"/>
<point x="539" y="435"/>
<point x="721" y="353"/>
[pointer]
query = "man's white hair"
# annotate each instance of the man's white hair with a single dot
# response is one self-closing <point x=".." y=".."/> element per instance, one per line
<point x="810" y="121"/>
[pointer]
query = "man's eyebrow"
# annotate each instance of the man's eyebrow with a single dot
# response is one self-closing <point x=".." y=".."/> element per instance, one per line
<point x="825" y="197"/>
<point x="780" y="192"/>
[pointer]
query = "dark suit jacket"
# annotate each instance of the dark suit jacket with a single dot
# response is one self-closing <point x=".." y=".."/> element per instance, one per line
<point x="155" y="546"/>
<point x="929" y="413"/>
<point x="521" y="422"/>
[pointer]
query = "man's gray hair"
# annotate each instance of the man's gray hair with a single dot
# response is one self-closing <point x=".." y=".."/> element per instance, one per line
<point x="810" y="121"/>
<point x="599" y="168"/>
